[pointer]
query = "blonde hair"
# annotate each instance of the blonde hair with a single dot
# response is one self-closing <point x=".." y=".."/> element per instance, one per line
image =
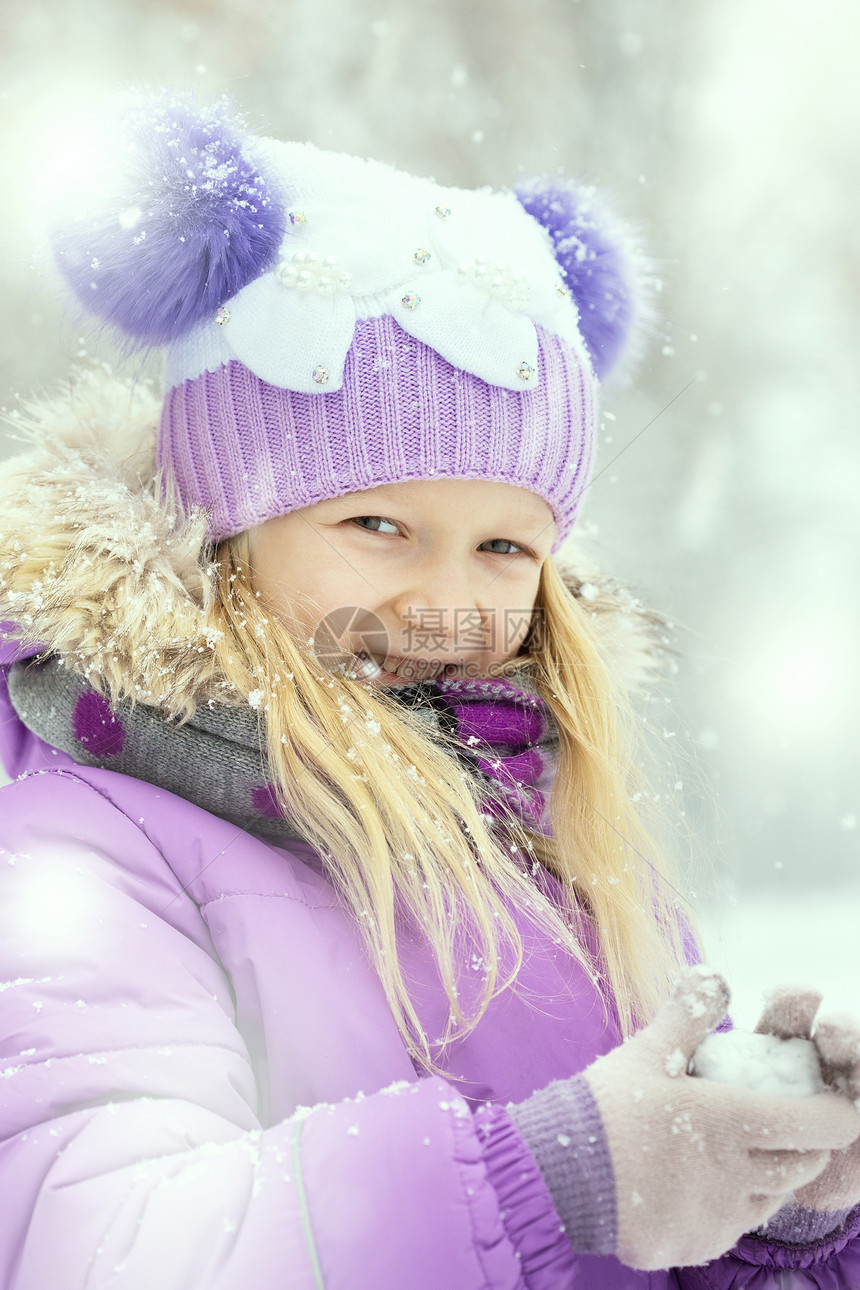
<point x="399" y="823"/>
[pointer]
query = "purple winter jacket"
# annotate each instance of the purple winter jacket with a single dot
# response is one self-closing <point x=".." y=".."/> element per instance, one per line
<point x="201" y="1084"/>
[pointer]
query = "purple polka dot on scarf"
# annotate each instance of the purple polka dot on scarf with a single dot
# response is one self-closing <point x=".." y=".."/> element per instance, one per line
<point x="499" y="722"/>
<point x="265" y="800"/>
<point x="523" y="768"/>
<point x="97" y="729"/>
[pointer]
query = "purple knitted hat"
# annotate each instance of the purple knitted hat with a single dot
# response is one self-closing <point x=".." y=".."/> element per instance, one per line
<point x="332" y="324"/>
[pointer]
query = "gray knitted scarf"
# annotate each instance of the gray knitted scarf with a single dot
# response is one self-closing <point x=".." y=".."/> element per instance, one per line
<point x="505" y="737"/>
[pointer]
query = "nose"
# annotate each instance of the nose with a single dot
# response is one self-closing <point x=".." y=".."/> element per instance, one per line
<point x="439" y="609"/>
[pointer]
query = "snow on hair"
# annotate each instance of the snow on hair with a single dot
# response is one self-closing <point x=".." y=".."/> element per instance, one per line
<point x="174" y="219"/>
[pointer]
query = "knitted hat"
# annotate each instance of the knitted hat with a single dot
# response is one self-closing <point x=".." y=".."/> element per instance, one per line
<point x="332" y="324"/>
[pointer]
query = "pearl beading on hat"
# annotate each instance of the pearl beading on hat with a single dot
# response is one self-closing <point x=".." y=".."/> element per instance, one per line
<point x="310" y="271"/>
<point x="501" y="281"/>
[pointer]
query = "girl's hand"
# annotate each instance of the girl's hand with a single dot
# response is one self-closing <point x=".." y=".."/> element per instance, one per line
<point x="790" y="1011"/>
<point x="698" y="1163"/>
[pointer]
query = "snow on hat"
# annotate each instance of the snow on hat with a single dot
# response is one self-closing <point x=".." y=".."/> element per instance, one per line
<point x="332" y="324"/>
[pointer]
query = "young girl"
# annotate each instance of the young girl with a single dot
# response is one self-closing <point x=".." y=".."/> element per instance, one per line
<point x="326" y="897"/>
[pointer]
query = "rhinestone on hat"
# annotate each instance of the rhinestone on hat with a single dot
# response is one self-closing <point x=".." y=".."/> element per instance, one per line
<point x="443" y="211"/>
<point x="561" y="289"/>
<point x="421" y="256"/>
<point x="298" y="217"/>
<point x="320" y="374"/>
<point x="525" y="371"/>
<point x="222" y="315"/>
<point x="310" y="271"/>
<point x="411" y="300"/>
<point x="498" y="279"/>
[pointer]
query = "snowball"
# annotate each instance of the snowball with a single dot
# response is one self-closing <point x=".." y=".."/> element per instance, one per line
<point x="760" y="1063"/>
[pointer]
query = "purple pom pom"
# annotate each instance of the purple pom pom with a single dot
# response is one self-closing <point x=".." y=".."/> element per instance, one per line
<point x="596" y="260"/>
<point x="176" y="219"/>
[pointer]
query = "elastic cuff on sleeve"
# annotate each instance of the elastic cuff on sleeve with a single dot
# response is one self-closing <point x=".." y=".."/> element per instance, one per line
<point x="529" y="1214"/>
<point x="564" y="1131"/>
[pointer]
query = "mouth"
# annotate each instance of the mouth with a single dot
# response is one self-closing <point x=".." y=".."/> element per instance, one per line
<point x="401" y="671"/>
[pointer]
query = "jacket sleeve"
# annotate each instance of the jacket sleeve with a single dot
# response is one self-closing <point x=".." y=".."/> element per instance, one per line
<point x="131" y="1150"/>
<point x="832" y="1263"/>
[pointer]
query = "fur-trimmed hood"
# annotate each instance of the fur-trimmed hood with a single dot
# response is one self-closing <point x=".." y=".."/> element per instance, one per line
<point x="100" y="567"/>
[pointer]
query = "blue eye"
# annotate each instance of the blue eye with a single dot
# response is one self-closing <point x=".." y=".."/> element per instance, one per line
<point x="506" y="543"/>
<point x="379" y="519"/>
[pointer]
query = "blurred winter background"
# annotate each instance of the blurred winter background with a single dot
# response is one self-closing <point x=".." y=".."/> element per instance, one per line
<point x="730" y="470"/>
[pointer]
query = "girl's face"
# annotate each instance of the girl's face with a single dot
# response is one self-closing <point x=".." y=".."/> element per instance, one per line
<point x="415" y="577"/>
